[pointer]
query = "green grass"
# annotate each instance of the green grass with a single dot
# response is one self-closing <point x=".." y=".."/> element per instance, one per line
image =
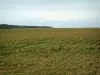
<point x="50" y="51"/>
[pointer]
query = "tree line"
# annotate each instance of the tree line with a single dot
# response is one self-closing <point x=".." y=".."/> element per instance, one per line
<point x="6" y="26"/>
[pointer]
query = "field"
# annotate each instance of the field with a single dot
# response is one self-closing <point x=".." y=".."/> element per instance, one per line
<point x="50" y="51"/>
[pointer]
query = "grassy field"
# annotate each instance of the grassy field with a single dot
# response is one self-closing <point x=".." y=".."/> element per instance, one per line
<point x="50" y="51"/>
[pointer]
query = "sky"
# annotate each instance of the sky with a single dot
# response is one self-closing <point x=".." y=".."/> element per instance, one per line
<point x="54" y="13"/>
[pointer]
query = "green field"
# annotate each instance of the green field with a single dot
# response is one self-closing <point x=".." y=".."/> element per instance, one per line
<point x="50" y="51"/>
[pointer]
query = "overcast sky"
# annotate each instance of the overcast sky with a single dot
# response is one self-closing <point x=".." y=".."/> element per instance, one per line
<point x="55" y="13"/>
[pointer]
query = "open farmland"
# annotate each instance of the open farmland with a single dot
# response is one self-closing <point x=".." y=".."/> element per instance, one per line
<point x="50" y="51"/>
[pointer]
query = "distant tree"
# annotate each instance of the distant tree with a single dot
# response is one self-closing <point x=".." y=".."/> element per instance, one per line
<point x="6" y="26"/>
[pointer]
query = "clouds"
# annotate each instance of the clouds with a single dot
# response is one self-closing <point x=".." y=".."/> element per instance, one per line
<point x="49" y="12"/>
<point x="68" y="15"/>
<point x="46" y="1"/>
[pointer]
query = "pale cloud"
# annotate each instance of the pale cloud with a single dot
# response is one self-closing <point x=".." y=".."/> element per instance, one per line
<point x="63" y="15"/>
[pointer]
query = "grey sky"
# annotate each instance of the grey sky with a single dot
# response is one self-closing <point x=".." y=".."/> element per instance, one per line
<point x="56" y="13"/>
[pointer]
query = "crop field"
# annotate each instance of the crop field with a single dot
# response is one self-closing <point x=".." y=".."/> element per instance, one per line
<point x="50" y="51"/>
